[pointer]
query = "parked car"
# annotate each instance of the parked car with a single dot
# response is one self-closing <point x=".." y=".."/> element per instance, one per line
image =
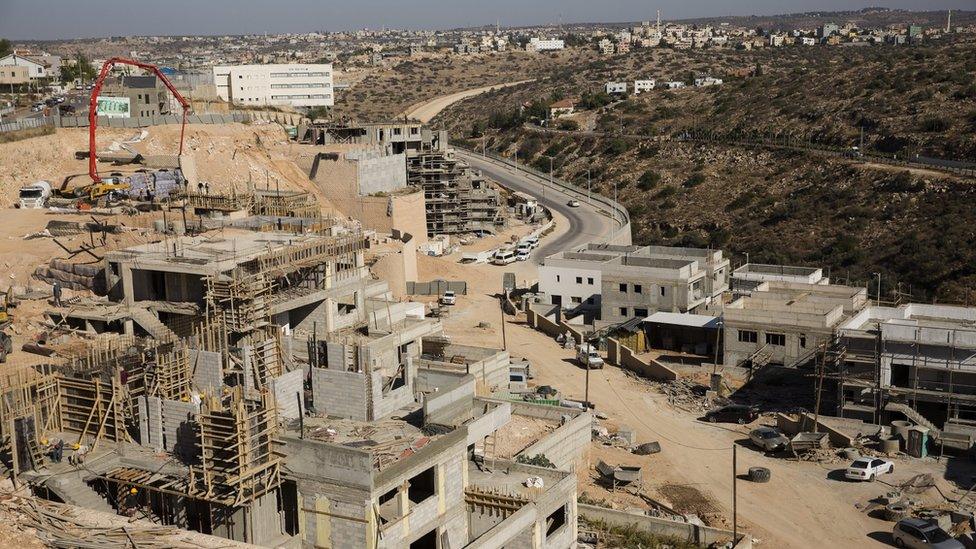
<point x="769" y="439"/>
<point x="448" y="298"/>
<point x="866" y="468"/>
<point x="532" y="241"/>
<point x="918" y="533"/>
<point x="589" y="357"/>
<point x="503" y="257"/>
<point x="733" y="413"/>
<point x="522" y="251"/>
<point x="573" y="203"/>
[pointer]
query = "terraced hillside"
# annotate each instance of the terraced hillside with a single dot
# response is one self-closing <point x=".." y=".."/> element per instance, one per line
<point x="917" y="228"/>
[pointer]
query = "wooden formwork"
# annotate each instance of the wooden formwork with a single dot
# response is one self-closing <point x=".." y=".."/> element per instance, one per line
<point x="92" y="408"/>
<point x="169" y="376"/>
<point x="239" y="456"/>
<point x="242" y="304"/>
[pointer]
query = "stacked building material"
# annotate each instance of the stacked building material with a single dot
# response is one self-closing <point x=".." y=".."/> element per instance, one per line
<point x="74" y="276"/>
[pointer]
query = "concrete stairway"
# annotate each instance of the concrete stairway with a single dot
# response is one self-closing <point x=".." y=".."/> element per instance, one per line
<point x="72" y="488"/>
<point x="151" y="324"/>
<point x="914" y="416"/>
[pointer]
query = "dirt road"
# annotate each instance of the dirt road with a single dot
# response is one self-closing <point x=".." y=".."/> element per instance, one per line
<point x="425" y="112"/>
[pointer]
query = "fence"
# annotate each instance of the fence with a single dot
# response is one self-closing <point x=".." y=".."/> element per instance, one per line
<point x="783" y="142"/>
<point x="437" y="287"/>
<point x="611" y="209"/>
<point x="24" y="123"/>
<point x="248" y="117"/>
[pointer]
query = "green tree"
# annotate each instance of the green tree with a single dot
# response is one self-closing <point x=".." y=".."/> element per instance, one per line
<point x="5" y="47"/>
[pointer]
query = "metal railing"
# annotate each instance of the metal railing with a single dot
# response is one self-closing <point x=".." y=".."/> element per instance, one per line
<point x="610" y="208"/>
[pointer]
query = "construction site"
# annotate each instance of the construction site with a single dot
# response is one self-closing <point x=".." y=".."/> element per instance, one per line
<point x="340" y="334"/>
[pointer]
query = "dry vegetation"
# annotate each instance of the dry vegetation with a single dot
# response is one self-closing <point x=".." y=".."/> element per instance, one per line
<point x="384" y="94"/>
<point x="853" y="219"/>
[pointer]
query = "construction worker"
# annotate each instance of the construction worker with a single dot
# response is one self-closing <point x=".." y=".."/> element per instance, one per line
<point x="57" y="294"/>
<point x="56" y="451"/>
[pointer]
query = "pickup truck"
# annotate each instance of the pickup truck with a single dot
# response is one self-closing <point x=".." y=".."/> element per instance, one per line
<point x="448" y="298"/>
<point x="589" y="357"/>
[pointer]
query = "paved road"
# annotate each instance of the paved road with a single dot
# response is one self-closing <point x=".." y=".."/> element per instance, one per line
<point x="425" y="112"/>
<point x="586" y="224"/>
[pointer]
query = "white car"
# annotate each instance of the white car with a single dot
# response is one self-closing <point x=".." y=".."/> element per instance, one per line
<point x="448" y="298"/>
<point x="868" y="468"/>
<point x="573" y="203"/>
<point x="532" y="241"/>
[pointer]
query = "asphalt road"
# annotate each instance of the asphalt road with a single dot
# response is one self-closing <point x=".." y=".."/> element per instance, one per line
<point x="586" y="224"/>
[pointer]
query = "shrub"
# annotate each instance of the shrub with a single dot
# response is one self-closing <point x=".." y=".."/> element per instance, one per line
<point x="617" y="146"/>
<point x="934" y="124"/>
<point x="568" y="125"/>
<point x="648" y="180"/>
<point x="696" y="179"/>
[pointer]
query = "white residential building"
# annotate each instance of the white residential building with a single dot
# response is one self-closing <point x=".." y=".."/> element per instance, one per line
<point x="606" y="46"/>
<point x="673" y="84"/>
<point x="297" y="85"/>
<point x="540" y="44"/>
<point x="643" y="86"/>
<point x="35" y="70"/>
<point x="707" y="81"/>
<point x="621" y="282"/>
<point x="616" y="87"/>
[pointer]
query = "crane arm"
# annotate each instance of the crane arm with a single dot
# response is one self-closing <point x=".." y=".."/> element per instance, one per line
<point x="93" y="106"/>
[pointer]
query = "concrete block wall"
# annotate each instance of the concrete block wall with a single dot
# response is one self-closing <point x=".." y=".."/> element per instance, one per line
<point x="288" y="389"/>
<point x="442" y="406"/>
<point x="207" y="369"/>
<point x="386" y="404"/>
<point x="693" y="533"/>
<point x="178" y="433"/>
<point x="568" y="446"/>
<point x="623" y="356"/>
<point x="151" y="422"/>
<point x="338" y="393"/>
<point x="330" y="523"/>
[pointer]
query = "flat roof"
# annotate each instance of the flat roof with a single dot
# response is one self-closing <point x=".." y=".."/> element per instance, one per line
<point x="681" y="319"/>
<point x="387" y="440"/>
<point x="213" y="253"/>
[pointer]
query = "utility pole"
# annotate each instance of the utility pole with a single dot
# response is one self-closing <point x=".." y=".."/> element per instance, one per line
<point x="589" y="196"/>
<point x="878" y="274"/>
<point x="504" y="340"/>
<point x="735" y="501"/>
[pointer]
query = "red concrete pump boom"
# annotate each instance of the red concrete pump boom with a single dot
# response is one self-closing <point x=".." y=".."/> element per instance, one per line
<point x="93" y="106"/>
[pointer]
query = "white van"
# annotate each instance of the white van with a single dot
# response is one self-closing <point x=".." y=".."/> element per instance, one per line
<point x="522" y="251"/>
<point x="532" y="241"/>
<point x="504" y="257"/>
<point x="588" y="356"/>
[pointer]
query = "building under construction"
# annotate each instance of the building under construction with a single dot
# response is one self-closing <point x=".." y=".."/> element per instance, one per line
<point x="259" y="385"/>
<point x="458" y="199"/>
<point x="913" y="361"/>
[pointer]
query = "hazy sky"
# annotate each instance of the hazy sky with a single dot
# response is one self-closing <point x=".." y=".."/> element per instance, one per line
<point x="52" y="19"/>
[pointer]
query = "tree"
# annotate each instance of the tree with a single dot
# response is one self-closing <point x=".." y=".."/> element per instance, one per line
<point x="81" y="69"/>
<point x="5" y="47"/>
<point x="318" y="112"/>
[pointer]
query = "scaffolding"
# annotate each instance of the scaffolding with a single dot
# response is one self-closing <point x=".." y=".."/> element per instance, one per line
<point x="239" y="457"/>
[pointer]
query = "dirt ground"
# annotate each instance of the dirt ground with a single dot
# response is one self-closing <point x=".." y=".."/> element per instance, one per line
<point x="227" y="156"/>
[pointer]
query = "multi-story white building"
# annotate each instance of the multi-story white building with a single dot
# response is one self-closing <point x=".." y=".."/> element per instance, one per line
<point x="623" y="282"/>
<point x="297" y="85"/>
<point x="616" y="87"/>
<point x="538" y="44"/>
<point x="643" y="86"/>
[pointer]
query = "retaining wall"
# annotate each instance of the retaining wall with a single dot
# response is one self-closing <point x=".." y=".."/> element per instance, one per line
<point x="684" y="531"/>
<point x="623" y="356"/>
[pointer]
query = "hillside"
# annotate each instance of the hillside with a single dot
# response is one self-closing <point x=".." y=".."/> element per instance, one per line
<point x="779" y="207"/>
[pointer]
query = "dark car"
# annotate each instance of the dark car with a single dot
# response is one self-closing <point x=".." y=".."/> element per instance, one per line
<point x="913" y="532"/>
<point x="733" y="413"/>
